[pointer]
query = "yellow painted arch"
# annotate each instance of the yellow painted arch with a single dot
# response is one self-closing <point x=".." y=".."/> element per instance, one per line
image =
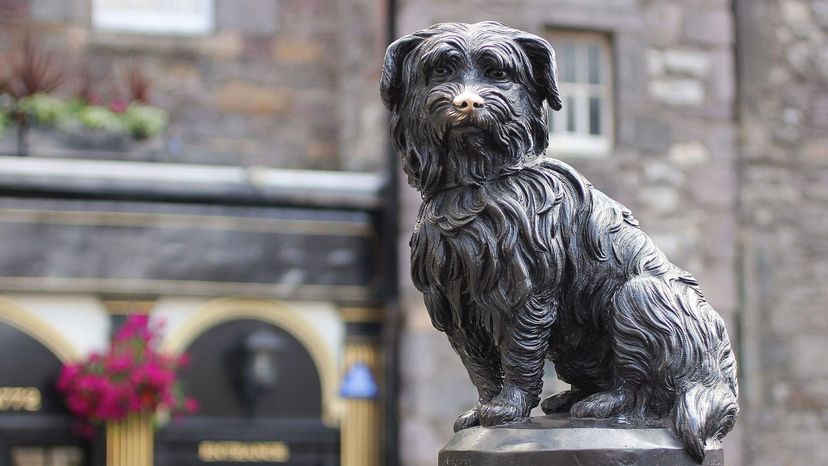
<point x="38" y="329"/>
<point x="274" y="312"/>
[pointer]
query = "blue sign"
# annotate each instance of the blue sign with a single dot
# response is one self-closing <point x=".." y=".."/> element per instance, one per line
<point x="359" y="383"/>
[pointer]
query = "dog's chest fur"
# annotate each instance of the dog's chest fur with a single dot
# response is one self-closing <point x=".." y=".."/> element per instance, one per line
<point x="480" y="252"/>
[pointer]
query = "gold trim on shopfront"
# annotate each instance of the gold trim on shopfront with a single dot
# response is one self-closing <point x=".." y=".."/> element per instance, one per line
<point x="38" y="329"/>
<point x="187" y="221"/>
<point x="277" y="313"/>
<point x="361" y="314"/>
<point x="125" y="307"/>
<point x="361" y="434"/>
<point x="130" y="442"/>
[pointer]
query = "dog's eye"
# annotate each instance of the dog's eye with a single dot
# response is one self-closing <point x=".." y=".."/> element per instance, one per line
<point x="440" y="71"/>
<point x="498" y="75"/>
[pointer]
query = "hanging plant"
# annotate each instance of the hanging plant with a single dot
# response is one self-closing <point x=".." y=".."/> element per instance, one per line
<point x="131" y="377"/>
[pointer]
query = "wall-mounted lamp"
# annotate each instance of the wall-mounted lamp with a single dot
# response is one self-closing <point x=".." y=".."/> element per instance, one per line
<point x="260" y="366"/>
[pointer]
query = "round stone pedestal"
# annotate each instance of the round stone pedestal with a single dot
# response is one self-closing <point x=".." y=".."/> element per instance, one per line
<point x="559" y="440"/>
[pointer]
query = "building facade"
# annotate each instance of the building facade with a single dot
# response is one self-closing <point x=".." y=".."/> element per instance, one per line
<point x="271" y="206"/>
<point x="244" y="229"/>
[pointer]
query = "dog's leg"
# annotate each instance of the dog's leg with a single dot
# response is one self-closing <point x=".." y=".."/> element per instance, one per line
<point x="635" y="320"/>
<point x="602" y="404"/>
<point x="523" y="352"/>
<point x="482" y="361"/>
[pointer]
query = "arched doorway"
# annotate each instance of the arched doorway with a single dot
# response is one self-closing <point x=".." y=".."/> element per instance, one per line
<point x="35" y="427"/>
<point x="260" y="388"/>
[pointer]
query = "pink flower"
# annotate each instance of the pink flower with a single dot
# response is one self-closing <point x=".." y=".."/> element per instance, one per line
<point x="118" y="106"/>
<point x="191" y="405"/>
<point x="136" y="326"/>
<point x="67" y="377"/>
<point x="130" y="377"/>
<point x="118" y="364"/>
<point x="157" y="376"/>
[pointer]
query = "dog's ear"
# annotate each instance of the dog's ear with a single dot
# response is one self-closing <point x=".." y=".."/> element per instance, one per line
<point x="392" y="70"/>
<point x="544" y="70"/>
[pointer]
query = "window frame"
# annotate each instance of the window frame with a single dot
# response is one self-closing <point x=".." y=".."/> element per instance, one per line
<point x="581" y="143"/>
<point x="155" y="23"/>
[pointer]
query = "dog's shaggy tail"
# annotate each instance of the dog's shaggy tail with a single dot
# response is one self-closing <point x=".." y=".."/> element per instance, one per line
<point x="701" y="413"/>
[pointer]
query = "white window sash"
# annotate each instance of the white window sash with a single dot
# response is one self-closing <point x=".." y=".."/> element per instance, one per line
<point x="581" y="142"/>
<point x="163" y="21"/>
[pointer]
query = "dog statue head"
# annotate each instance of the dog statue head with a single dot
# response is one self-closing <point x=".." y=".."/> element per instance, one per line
<point x="468" y="102"/>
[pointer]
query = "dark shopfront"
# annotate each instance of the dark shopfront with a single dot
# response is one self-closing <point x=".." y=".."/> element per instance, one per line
<point x="274" y="292"/>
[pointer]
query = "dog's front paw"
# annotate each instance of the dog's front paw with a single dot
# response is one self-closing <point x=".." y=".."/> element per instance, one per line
<point x="601" y="405"/>
<point x="509" y="406"/>
<point x="468" y="419"/>
<point x="561" y="402"/>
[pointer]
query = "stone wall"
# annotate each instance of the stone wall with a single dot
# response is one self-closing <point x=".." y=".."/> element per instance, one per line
<point x="274" y="84"/>
<point x="783" y="114"/>
<point x="673" y="164"/>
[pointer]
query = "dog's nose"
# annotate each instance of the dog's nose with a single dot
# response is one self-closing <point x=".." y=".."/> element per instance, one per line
<point x="468" y="101"/>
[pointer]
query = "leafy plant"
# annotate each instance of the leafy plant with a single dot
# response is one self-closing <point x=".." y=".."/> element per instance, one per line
<point x="131" y="377"/>
<point x="45" y="109"/>
<point x="144" y="121"/>
<point x="138" y="85"/>
<point x="26" y="82"/>
<point x="32" y="70"/>
<point x="101" y="118"/>
<point x="4" y="122"/>
<point x="86" y="92"/>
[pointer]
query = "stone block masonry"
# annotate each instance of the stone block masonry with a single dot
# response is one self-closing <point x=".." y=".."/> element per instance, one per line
<point x="781" y="53"/>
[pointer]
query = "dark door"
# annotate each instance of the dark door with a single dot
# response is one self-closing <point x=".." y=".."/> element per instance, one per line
<point x="261" y="402"/>
<point x="35" y="428"/>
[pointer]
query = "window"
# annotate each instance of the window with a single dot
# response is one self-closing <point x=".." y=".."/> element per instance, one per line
<point x="186" y="17"/>
<point x="584" y="126"/>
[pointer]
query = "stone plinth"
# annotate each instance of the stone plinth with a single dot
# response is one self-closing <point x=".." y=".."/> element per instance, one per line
<point x="559" y="440"/>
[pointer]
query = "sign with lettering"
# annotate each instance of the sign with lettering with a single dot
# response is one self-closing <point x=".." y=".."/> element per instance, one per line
<point x="243" y="452"/>
<point x="154" y="16"/>
<point x="19" y="399"/>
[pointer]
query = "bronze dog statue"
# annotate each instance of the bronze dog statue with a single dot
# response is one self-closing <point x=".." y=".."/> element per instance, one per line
<point x="520" y="259"/>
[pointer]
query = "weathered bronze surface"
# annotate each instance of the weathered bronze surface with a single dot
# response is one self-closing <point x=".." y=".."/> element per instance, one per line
<point x="558" y="439"/>
<point x="520" y="259"/>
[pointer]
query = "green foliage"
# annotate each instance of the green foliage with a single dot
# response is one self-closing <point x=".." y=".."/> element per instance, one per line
<point x="4" y="122"/>
<point x="140" y="121"/>
<point x="44" y="108"/>
<point x="100" y="118"/>
<point x="144" y="121"/>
